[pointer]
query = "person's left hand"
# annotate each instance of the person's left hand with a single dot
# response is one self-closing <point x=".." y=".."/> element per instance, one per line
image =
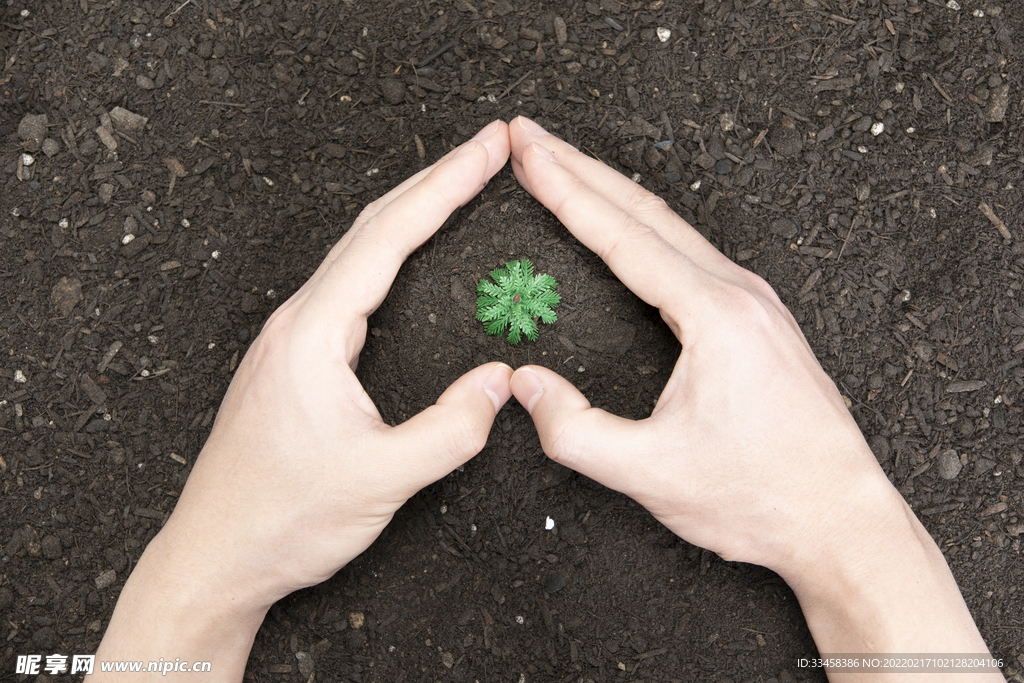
<point x="300" y="474"/>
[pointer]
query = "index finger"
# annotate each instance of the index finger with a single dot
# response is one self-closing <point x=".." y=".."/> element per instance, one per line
<point x="358" y="273"/>
<point x="604" y="202"/>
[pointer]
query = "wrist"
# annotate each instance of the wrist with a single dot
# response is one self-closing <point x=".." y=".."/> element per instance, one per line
<point x="175" y="607"/>
<point x="878" y="584"/>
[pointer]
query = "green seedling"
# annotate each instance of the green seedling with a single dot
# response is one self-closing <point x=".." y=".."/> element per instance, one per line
<point x="515" y="300"/>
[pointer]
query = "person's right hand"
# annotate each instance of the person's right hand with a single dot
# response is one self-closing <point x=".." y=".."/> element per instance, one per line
<point x="746" y="448"/>
<point x="750" y="450"/>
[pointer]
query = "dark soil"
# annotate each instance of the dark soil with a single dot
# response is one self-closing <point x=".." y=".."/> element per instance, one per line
<point x="271" y="124"/>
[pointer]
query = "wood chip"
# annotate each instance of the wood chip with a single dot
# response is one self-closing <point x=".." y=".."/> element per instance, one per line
<point x="809" y="283"/>
<point x="965" y="386"/>
<point x="175" y="167"/>
<point x="92" y="390"/>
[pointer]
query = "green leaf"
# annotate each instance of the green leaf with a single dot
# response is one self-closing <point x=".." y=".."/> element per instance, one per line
<point x="515" y="300"/>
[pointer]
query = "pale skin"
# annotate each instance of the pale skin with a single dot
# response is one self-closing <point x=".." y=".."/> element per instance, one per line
<point x="750" y="451"/>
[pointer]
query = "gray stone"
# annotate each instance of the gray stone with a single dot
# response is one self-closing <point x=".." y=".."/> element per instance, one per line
<point x="983" y="465"/>
<point x="106" y="579"/>
<point x="50" y="147"/>
<point x="949" y="464"/>
<point x="65" y="295"/>
<point x="555" y="583"/>
<point x="107" y="138"/>
<point x="998" y="102"/>
<point x="106" y="192"/>
<point x="127" y="121"/>
<point x="32" y="130"/>
<point x="561" y="33"/>
<point x="306" y="664"/>
<point x="862" y="124"/>
<point x="144" y="82"/>
<point x="784" y="227"/>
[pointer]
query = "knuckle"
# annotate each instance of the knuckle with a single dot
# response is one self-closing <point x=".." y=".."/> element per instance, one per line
<point x="371" y="209"/>
<point x="465" y="435"/>
<point x="563" y="446"/>
<point x="761" y="287"/>
<point x="631" y="233"/>
<point x="645" y="204"/>
<point x="744" y="301"/>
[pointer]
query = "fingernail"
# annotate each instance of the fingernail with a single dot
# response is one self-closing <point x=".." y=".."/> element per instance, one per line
<point x="496" y="386"/>
<point x="465" y="148"/>
<point x="486" y="132"/>
<point x="531" y="126"/>
<point x="531" y="383"/>
<point x="543" y="152"/>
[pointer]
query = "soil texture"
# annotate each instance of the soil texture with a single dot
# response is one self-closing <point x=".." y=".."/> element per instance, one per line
<point x="171" y="171"/>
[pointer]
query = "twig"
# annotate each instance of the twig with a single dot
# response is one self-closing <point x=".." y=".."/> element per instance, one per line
<point x="856" y="223"/>
<point x="224" y="104"/>
<point x="520" y="80"/>
<point x="996" y="221"/>
<point x="181" y="7"/>
<point x="842" y="20"/>
<point x="939" y="88"/>
<point x="440" y="51"/>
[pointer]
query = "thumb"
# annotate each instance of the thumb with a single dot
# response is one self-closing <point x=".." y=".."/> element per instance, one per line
<point x="589" y="440"/>
<point x="453" y="430"/>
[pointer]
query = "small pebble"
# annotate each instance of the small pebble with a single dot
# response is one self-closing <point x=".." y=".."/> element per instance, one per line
<point x="561" y="31"/>
<point x="555" y="583"/>
<point x="949" y="464"/>
<point x="306" y="665"/>
<point x="32" y="130"/>
<point x="106" y="579"/>
<point x="50" y="147"/>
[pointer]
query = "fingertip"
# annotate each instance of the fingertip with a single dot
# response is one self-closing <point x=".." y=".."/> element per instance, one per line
<point x="520" y="174"/>
<point x="527" y="387"/>
<point x="489" y="130"/>
<point x="494" y="137"/>
<point x="497" y="385"/>
<point x="470" y="146"/>
<point x="529" y="127"/>
<point x="541" y="152"/>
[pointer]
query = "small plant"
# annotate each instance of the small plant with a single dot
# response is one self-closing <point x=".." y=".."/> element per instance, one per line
<point x="515" y="299"/>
